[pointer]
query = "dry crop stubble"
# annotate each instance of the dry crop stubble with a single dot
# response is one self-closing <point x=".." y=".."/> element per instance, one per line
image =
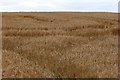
<point x="80" y="45"/>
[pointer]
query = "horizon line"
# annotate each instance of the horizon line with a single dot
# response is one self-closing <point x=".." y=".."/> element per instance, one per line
<point x="67" y="11"/>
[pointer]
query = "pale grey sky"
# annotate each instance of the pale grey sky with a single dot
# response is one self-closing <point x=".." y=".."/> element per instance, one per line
<point x="59" y="5"/>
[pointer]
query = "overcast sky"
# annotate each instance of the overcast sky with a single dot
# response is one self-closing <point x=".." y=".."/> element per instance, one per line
<point x="59" y="5"/>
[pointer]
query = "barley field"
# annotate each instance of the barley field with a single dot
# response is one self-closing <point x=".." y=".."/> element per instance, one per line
<point x="59" y="45"/>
